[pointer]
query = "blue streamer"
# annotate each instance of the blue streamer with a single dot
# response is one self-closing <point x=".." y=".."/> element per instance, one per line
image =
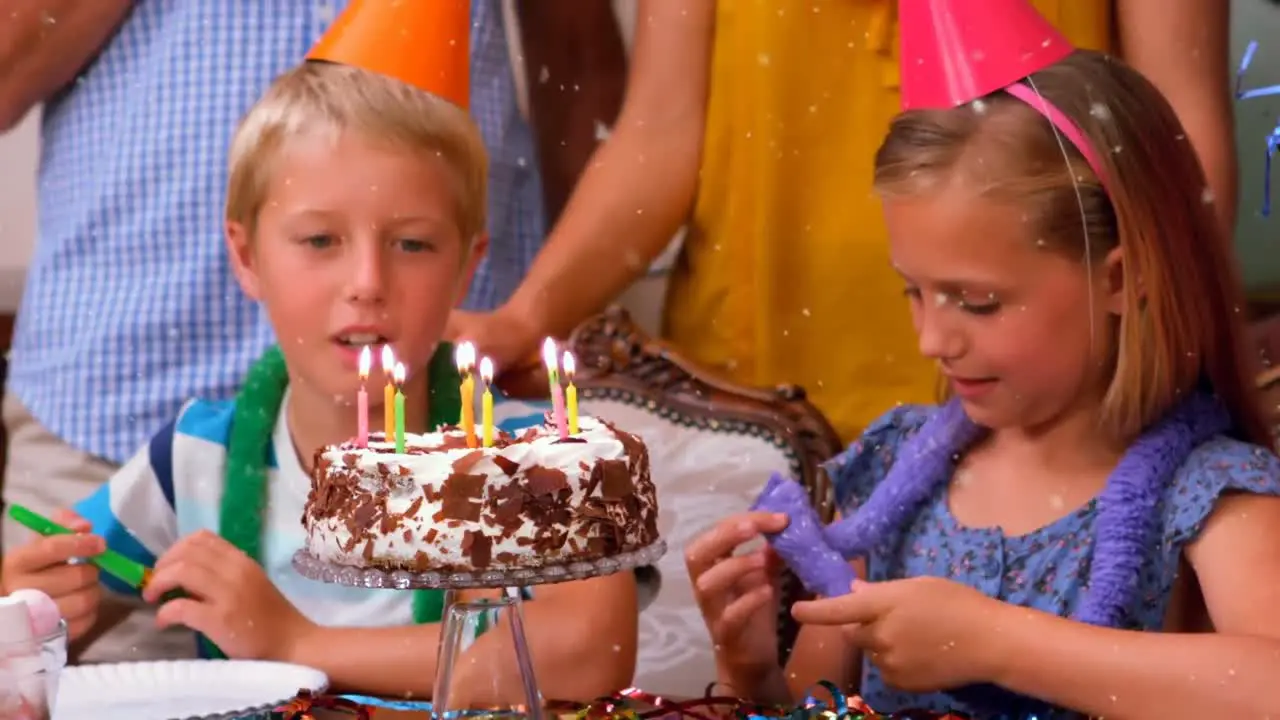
<point x="1272" y="138"/>
<point x="410" y="705"/>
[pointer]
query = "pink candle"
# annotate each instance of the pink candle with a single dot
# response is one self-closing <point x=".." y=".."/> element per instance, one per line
<point x="362" y="399"/>
<point x="557" y="392"/>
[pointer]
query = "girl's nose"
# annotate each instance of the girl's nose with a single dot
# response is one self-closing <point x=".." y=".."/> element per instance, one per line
<point x="937" y="335"/>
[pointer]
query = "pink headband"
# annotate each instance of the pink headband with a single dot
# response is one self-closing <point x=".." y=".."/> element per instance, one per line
<point x="1063" y="124"/>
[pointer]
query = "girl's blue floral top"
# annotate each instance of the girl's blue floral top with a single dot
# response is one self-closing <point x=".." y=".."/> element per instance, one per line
<point x="1046" y="569"/>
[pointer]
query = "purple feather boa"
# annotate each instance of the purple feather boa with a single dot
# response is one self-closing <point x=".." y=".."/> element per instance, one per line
<point x="1127" y="513"/>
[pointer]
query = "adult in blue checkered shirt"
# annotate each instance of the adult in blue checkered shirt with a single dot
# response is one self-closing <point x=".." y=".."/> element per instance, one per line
<point x="130" y="308"/>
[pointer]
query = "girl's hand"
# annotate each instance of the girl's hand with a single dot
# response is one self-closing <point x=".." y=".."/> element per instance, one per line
<point x="738" y="596"/>
<point x="228" y="598"/>
<point x="924" y="634"/>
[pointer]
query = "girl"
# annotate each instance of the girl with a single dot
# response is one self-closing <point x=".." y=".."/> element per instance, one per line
<point x="1099" y="474"/>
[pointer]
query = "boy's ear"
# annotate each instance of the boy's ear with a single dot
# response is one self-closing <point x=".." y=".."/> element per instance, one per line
<point x="479" y="247"/>
<point x="240" y="250"/>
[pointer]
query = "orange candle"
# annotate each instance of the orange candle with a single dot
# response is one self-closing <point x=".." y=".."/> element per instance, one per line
<point x="388" y="394"/>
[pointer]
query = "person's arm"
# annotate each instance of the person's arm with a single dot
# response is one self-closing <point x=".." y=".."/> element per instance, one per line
<point x="1183" y="48"/>
<point x="575" y="70"/>
<point x="44" y="43"/>
<point x="1123" y="674"/>
<point x="134" y="513"/>
<point x="582" y="639"/>
<point x="639" y="186"/>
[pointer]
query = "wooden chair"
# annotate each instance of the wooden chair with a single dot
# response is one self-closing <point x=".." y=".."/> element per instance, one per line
<point x="1269" y="388"/>
<point x="1266" y="338"/>
<point x="712" y="446"/>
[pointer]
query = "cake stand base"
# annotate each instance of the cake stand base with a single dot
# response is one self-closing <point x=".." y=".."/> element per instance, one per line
<point x="465" y="621"/>
<point x="464" y="624"/>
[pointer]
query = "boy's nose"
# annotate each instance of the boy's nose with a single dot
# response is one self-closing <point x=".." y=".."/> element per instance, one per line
<point x="367" y="273"/>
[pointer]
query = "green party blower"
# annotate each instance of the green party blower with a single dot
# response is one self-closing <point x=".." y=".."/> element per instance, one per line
<point x="132" y="573"/>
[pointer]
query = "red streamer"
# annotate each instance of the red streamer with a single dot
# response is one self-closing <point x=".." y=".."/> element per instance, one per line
<point x="302" y="707"/>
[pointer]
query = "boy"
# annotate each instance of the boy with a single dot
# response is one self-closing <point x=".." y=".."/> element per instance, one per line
<point x="355" y="215"/>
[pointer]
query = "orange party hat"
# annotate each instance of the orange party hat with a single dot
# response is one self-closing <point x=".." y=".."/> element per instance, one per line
<point x="425" y="43"/>
<point x="956" y="51"/>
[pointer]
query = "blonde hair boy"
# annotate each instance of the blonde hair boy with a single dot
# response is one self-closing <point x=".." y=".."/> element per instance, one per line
<point x="329" y="96"/>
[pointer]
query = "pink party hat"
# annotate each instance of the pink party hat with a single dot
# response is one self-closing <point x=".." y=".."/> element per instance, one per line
<point x="956" y="51"/>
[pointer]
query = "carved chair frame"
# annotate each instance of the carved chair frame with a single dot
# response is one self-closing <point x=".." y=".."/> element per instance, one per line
<point x="618" y="361"/>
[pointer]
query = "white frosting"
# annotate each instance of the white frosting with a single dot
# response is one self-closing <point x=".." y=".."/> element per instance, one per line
<point x="418" y="535"/>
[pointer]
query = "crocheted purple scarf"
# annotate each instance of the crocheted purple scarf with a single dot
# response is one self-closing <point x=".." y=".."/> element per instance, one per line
<point x="1127" y="519"/>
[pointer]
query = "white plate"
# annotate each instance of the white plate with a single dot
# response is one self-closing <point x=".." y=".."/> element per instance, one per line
<point x="180" y="689"/>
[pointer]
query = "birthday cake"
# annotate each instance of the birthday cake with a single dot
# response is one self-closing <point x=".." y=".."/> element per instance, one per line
<point x="528" y="500"/>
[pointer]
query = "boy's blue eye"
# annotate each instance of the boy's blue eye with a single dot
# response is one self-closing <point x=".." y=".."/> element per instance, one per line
<point x="414" y="246"/>
<point x="318" y="242"/>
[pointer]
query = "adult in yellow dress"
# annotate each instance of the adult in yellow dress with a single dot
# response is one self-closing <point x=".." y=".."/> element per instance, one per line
<point x="756" y="122"/>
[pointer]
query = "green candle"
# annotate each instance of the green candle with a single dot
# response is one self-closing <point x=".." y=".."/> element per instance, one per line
<point x="132" y="573"/>
<point x="399" y="378"/>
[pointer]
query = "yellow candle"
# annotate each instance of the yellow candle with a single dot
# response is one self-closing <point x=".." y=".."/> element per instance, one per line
<point x="571" y="392"/>
<point x="469" y="409"/>
<point x="388" y="394"/>
<point x="486" y="402"/>
<point x="465" y="356"/>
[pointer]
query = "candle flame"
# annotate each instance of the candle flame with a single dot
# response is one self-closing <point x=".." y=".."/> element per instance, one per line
<point x="398" y="374"/>
<point x="486" y="370"/>
<point x="388" y="360"/>
<point x="570" y="367"/>
<point x="549" y="354"/>
<point x="465" y="356"/>
<point x="366" y="361"/>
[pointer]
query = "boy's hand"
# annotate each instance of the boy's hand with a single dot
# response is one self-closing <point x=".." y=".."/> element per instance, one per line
<point x="43" y="564"/>
<point x="228" y="598"/>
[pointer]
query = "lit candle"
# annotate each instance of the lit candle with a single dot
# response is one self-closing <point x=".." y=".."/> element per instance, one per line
<point x="398" y="375"/>
<point x="388" y="394"/>
<point x="362" y="398"/>
<point x="486" y="401"/>
<point x="465" y="356"/>
<point x="557" y="393"/>
<point x="571" y="394"/>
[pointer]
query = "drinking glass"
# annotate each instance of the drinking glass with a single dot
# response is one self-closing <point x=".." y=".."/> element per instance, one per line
<point x="29" y="672"/>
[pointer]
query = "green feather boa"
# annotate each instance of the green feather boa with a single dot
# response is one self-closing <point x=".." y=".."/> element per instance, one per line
<point x="258" y="405"/>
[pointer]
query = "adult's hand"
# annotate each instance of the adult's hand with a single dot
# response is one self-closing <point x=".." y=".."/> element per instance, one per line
<point x="510" y="341"/>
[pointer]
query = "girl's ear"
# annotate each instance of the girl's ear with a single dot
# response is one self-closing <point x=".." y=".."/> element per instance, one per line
<point x="1113" y="281"/>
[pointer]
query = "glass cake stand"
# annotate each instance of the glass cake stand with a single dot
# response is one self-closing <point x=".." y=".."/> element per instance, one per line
<point x="461" y="619"/>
